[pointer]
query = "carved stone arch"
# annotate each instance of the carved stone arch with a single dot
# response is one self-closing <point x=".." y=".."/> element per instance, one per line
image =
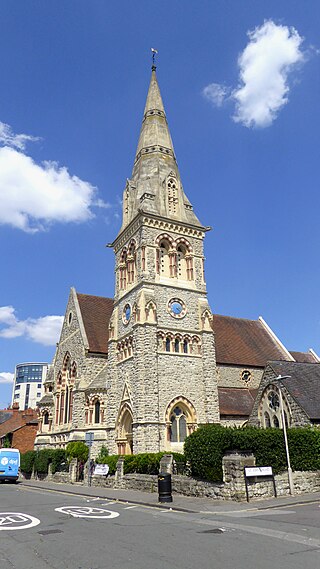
<point x="206" y="319"/>
<point x="151" y="311"/>
<point x="124" y="438"/>
<point x="181" y="420"/>
<point x="269" y="409"/>
<point x="165" y="237"/>
<point x="135" y="312"/>
<point x="59" y="379"/>
<point x="185" y="243"/>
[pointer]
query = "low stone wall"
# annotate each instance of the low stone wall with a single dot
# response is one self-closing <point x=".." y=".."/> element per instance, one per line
<point x="232" y="488"/>
<point x="303" y="483"/>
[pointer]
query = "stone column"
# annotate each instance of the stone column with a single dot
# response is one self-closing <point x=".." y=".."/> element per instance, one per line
<point x="233" y="464"/>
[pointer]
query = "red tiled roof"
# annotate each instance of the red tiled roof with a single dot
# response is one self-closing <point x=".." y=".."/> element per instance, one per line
<point x="244" y="342"/>
<point x="304" y="357"/>
<point x="236" y="401"/>
<point x="96" y="312"/>
<point x="17" y="420"/>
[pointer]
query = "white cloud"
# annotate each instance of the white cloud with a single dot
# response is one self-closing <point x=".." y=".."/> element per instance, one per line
<point x="272" y="53"/>
<point x="33" y="196"/>
<point x="265" y="65"/>
<point x="9" y="138"/>
<point x="6" y="377"/>
<point x="44" y="330"/>
<point x="216" y="93"/>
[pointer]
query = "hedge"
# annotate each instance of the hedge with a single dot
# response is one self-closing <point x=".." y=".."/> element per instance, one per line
<point x="205" y="448"/>
<point x="144" y="463"/>
<point x="40" y="460"/>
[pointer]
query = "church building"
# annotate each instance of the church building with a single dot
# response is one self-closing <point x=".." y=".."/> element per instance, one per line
<point x="142" y="370"/>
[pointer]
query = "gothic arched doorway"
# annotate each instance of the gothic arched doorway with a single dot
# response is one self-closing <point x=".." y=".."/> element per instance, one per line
<point x="124" y="431"/>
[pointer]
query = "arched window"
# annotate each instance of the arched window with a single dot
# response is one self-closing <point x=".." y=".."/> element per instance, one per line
<point x="97" y="412"/>
<point x="131" y="262"/>
<point x="168" y="344"/>
<point x="176" y="345"/>
<point x="172" y="196"/>
<point x="46" y="418"/>
<point x="276" y="422"/>
<point x="267" y="422"/>
<point x="123" y="270"/>
<point x="66" y="412"/>
<point x="185" y="346"/>
<point x="178" y="429"/>
<point x="181" y="262"/>
<point x="164" y="259"/>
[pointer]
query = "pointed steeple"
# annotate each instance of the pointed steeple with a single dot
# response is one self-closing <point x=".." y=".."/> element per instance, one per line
<point x="155" y="139"/>
<point x="155" y="186"/>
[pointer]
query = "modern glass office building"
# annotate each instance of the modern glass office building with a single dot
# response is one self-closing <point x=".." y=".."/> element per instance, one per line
<point x="28" y="384"/>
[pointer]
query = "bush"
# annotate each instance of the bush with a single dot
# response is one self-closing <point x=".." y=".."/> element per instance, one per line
<point x="59" y="460"/>
<point x="27" y="461"/>
<point x="205" y="448"/>
<point x="102" y="456"/>
<point x="144" y="463"/>
<point x="77" y="449"/>
<point x="42" y="459"/>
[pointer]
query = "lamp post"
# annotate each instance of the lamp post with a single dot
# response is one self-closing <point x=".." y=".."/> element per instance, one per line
<point x="284" y="428"/>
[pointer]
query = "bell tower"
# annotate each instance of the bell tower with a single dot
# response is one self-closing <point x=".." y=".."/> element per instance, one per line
<point x="162" y="366"/>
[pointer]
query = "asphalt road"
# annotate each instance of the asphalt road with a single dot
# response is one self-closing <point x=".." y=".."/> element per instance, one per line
<point x="41" y="529"/>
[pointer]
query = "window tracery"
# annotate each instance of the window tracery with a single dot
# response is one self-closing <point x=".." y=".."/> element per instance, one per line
<point x="125" y="349"/>
<point x="127" y="265"/>
<point x="181" y="420"/>
<point x="174" y="259"/>
<point x="269" y="411"/>
<point x="95" y="409"/>
<point x="179" y="344"/>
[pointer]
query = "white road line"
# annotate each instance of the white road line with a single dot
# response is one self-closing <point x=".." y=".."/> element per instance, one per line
<point x="130" y="507"/>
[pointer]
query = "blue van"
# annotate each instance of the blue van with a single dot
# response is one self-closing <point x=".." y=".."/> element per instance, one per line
<point x="9" y="464"/>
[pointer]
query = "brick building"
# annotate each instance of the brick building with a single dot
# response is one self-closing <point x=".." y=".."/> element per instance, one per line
<point x="18" y="429"/>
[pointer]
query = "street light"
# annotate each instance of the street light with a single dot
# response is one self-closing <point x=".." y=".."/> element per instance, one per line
<point x="291" y="487"/>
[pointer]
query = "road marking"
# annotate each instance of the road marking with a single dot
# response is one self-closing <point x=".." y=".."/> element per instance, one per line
<point x="87" y="512"/>
<point x="130" y="507"/>
<point x="10" y="521"/>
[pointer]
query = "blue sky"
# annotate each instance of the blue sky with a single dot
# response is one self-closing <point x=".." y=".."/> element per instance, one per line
<point x="240" y="83"/>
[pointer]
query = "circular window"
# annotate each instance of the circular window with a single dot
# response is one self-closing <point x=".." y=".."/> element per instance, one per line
<point x="126" y="314"/>
<point x="246" y="375"/>
<point x="177" y="308"/>
<point x="273" y="399"/>
<point x="70" y="318"/>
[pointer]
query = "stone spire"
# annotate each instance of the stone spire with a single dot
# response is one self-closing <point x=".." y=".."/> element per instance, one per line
<point x="155" y="186"/>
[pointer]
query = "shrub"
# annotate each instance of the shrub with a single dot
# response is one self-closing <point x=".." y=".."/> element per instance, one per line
<point x="102" y="456"/>
<point x="59" y="460"/>
<point x="27" y="461"/>
<point x="77" y="449"/>
<point x="42" y="459"/>
<point x="205" y="448"/>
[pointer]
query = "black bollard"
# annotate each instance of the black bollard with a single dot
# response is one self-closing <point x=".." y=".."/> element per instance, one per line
<point x="164" y="487"/>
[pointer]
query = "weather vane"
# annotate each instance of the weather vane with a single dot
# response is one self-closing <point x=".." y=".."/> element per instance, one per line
<point x="154" y="53"/>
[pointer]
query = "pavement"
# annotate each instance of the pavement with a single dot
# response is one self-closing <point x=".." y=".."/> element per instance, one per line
<point x="191" y="504"/>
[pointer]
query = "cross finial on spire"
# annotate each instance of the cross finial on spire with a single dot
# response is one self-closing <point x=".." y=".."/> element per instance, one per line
<point x="154" y="53"/>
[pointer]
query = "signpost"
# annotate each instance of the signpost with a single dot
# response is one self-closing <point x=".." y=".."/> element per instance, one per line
<point x="255" y="472"/>
<point x="89" y="438"/>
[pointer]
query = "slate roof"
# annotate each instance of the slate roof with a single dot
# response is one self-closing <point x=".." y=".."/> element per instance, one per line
<point x="236" y="401"/>
<point x="5" y="415"/>
<point x="303" y="384"/>
<point x="96" y="312"/>
<point x="304" y="357"/>
<point x="244" y="342"/>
